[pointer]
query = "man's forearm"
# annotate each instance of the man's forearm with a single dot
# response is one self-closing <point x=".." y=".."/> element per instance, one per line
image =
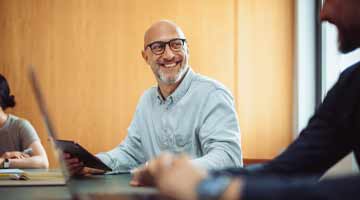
<point x="118" y="160"/>
<point x="216" y="159"/>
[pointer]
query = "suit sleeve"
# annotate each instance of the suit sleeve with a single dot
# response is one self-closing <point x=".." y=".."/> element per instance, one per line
<point x="256" y="188"/>
<point x="328" y="137"/>
<point x="331" y="134"/>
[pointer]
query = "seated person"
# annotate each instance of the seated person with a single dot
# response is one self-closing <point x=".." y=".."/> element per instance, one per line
<point x="20" y="146"/>
<point x="332" y="133"/>
<point x="185" y="113"/>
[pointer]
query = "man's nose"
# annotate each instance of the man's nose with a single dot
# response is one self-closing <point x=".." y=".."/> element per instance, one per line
<point x="168" y="53"/>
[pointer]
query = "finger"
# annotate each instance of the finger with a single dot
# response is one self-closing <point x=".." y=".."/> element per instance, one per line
<point x="138" y="173"/>
<point x="165" y="162"/>
<point x="136" y="177"/>
<point x="74" y="165"/>
<point x="183" y="156"/>
<point x="134" y="183"/>
<point x="72" y="161"/>
<point x="22" y="155"/>
<point x="159" y="165"/>
<point x="76" y="170"/>
<point x="181" y="160"/>
<point x="6" y="155"/>
<point x="89" y="170"/>
<point x="151" y="166"/>
<point x="15" y="156"/>
<point x="66" y="155"/>
<point x="25" y="155"/>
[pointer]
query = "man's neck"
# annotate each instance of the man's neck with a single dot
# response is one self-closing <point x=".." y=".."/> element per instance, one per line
<point x="167" y="89"/>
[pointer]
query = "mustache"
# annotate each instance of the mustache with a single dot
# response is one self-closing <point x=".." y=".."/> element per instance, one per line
<point x="162" y="62"/>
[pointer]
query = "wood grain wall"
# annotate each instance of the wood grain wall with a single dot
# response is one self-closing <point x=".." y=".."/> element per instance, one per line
<point x="265" y="43"/>
<point x="87" y="55"/>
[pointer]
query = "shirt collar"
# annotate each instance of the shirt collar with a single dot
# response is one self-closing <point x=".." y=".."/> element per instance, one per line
<point x="180" y="91"/>
<point x="7" y="122"/>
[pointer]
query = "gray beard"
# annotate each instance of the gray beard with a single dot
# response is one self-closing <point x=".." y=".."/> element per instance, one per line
<point x="177" y="78"/>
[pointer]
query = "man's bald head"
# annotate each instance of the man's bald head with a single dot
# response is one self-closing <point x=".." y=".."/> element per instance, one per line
<point x="168" y="53"/>
<point x="162" y="30"/>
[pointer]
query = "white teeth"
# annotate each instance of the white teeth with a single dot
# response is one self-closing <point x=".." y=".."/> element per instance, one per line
<point x="170" y="65"/>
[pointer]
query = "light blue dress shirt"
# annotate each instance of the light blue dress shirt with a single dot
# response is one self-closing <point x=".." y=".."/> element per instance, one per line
<point x="198" y="119"/>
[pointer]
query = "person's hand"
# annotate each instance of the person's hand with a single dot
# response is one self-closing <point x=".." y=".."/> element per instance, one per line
<point x="176" y="177"/>
<point x="77" y="168"/>
<point x="92" y="171"/>
<point x="15" y="155"/>
<point x="141" y="177"/>
<point x="73" y="164"/>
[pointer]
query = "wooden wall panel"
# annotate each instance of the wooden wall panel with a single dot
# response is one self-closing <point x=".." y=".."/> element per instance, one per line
<point x="87" y="54"/>
<point x="265" y="75"/>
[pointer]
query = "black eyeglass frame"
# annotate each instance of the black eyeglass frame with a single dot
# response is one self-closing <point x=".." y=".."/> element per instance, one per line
<point x="163" y="44"/>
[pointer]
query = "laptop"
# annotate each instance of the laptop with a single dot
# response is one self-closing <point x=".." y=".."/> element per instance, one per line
<point x="58" y="149"/>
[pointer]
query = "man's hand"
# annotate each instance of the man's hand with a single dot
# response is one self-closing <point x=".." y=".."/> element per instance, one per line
<point x="141" y="177"/>
<point x="15" y="155"/>
<point x="77" y="168"/>
<point x="176" y="177"/>
<point x="74" y="165"/>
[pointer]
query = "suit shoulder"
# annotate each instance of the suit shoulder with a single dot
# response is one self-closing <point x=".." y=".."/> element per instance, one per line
<point x="351" y="70"/>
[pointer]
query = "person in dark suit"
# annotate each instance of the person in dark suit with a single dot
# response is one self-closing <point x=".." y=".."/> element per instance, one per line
<point x="332" y="133"/>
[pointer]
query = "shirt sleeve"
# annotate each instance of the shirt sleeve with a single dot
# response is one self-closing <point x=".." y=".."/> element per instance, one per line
<point x="219" y="135"/>
<point x="127" y="155"/>
<point x="284" y="188"/>
<point x="27" y="133"/>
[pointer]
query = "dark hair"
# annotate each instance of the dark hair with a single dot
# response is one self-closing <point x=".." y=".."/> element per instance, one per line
<point x="6" y="100"/>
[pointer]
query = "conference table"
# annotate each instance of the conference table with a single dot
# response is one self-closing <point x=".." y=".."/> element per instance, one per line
<point x="82" y="186"/>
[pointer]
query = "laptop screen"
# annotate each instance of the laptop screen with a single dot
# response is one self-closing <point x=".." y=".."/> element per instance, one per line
<point x="48" y="123"/>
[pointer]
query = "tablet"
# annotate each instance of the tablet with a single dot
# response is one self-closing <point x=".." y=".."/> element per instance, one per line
<point x="80" y="152"/>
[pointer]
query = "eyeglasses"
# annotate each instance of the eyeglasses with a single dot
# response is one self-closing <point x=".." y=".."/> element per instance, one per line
<point x="158" y="47"/>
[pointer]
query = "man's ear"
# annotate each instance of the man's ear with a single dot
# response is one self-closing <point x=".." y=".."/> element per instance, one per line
<point x="144" y="55"/>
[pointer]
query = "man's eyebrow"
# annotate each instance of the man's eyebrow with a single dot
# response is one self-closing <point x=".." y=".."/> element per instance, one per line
<point x="152" y="42"/>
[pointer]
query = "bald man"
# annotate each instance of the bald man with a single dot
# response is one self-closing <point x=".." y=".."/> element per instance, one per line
<point x="185" y="113"/>
<point x="332" y="133"/>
